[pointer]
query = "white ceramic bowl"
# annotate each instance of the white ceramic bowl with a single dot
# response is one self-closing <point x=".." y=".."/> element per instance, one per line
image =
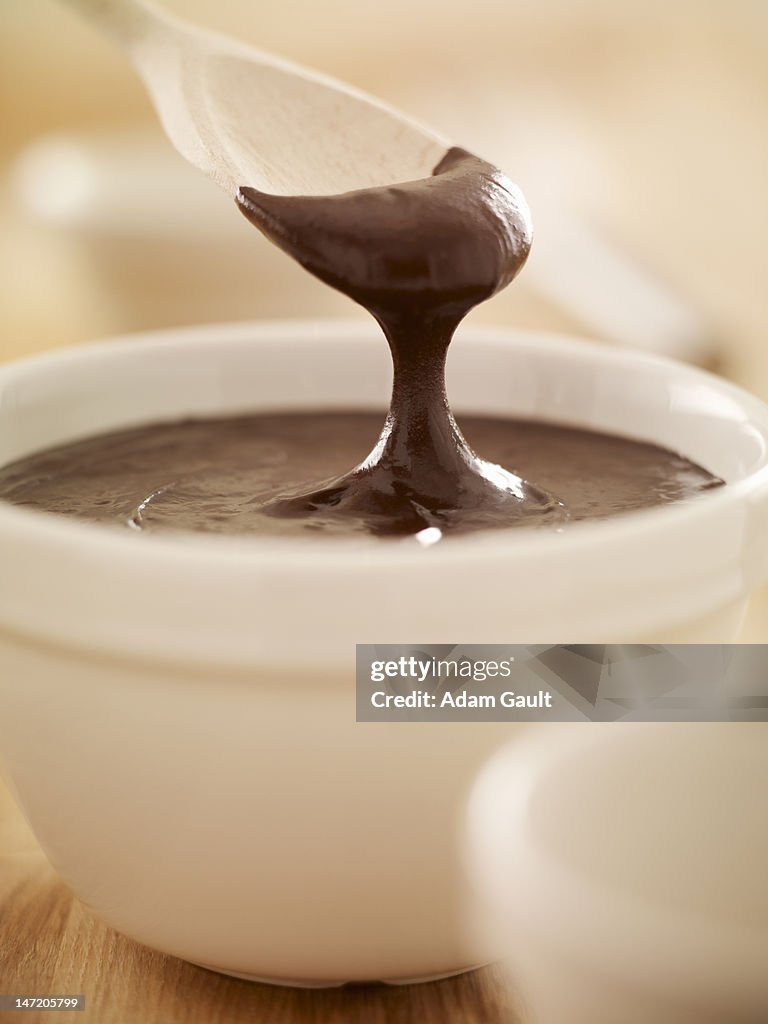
<point x="177" y="712"/>
<point x="625" y="868"/>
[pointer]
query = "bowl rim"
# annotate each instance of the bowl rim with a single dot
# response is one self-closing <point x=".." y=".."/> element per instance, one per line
<point x="193" y="576"/>
<point x="271" y="548"/>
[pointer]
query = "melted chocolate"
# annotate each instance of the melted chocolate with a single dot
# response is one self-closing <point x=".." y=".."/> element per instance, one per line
<point x="418" y="256"/>
<point x="225" y="475"/>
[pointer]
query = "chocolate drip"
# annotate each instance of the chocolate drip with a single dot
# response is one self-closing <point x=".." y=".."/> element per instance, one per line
<point x="418" y="256"/>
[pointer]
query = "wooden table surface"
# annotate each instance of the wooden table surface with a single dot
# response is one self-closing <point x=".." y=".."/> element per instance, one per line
<point x="51" y="945"/>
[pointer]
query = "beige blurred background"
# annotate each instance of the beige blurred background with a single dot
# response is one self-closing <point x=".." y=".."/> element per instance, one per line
<point x="638" y="131"/>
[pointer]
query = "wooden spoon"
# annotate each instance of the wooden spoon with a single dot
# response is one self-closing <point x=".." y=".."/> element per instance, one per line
<point x="249" y="118"/>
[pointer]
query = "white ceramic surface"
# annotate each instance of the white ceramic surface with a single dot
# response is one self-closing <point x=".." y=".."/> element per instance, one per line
<point x="176" y="712"/>
<point x="624" y="869"/>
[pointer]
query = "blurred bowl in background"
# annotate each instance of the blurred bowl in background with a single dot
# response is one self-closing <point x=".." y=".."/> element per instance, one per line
<point x="163" y="246"/>
<point x="623" y="868"/>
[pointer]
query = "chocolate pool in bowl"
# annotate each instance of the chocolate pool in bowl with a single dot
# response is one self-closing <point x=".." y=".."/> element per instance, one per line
<point x="176" y="709"/>
<point x="224" y="475"/>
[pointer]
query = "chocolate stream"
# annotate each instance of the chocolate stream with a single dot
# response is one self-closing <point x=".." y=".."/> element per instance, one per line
<point x="418" y="256"/>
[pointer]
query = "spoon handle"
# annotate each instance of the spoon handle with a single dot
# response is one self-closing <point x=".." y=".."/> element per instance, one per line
<point x="128" y="22"/>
